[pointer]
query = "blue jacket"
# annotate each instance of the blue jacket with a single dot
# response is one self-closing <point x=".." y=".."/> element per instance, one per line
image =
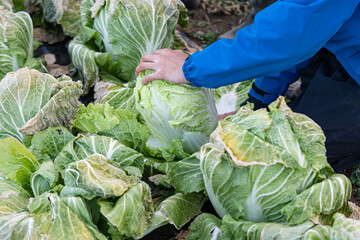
<point x="279" y="44"/>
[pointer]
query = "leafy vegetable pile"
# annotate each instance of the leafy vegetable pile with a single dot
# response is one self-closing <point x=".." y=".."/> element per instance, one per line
<point x="98" y="182"/>
<point x="141" y="157"/>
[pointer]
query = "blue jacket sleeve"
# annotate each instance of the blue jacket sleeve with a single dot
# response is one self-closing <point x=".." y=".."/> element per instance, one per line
<point x="283" y="35"/>
<point x="276" y="84"/>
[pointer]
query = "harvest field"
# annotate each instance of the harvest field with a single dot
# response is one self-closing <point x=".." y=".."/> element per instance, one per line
<point x="88" y="152"/>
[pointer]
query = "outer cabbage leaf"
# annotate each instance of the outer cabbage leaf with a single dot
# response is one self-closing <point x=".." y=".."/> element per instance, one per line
<point x="16" y="42"/>
<point x="130" y="131"/>
<point x="15" y="220"/>
<point x="157" y="165"/>
<point x="131" y="212"/>
<point x="16" y="162"/>
<point x="248" y="149"/>
<point x="55" y="219"/>
<point x="325" y="197"/>
<point x="242" y="91"/>
<point x="84" y="58"/>
<point x="116" y="153"/>
<point x="31" y="101"/>
<point x="130" y="29"/>
<point x="185" y="175"/>
<point x="78" y="206"/>
<point x="68" y="15"/>
<point x="117" y="96"/>
<point x="255" y="193"/>
<point x="47" y="144"/>
<point x="345" y="228"/>
<point x="170" y="152"/>
<point x="293" y="138"/>
<point x="64" y="12"/>
<point x="87" y="22"/>
<point x="18" y="226"/>
<point x="176" y="112"/>
<point x="26" y="229"/>
<point x="13" y="199"/>
<point x="44" y="179"/>
<point x="60" y="110"/>
<point x="120" y="124"/>
<point x="310" y="136"/>
<point x="206" y="226"/>
<point x="318" y="232"/>
<point x="49" y="10"/>
<point x="243" y="230"/>
<point x="177" y="209"/>
<point x="96" y="175"/>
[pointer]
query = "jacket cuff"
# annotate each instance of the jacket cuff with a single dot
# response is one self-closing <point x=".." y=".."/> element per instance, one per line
<point x="187" y="73"/>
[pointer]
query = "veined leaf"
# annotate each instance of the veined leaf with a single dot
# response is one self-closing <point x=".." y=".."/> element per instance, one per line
<point x="240" y="229"/>
<point x="47" y="145"/>
<point x="97" y="176"/>
<point x="325" y="197"/>
<point x="344" y="228"/>
<point x="131" y="212"/>
<point x="31" y="101"/>
<point x="118" y="154"/>
<point x="186" y="176"/>
<point x="16" y="162"/>
<point x="16" y="42"/>
<point x="206" y="226"/>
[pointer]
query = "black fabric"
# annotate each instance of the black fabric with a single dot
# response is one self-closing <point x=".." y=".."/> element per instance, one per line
<point x="257" y="103"/>
<point x="332" y="99"/>
<point x="258" y="90"/>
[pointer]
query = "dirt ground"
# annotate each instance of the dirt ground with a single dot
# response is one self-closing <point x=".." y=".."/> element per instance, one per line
<point x="213" y="21"/>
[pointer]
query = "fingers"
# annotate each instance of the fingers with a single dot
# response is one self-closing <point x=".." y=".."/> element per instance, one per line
<point x="148" y="61"/>
<point x="163" y="51"/>
<point x="148" y="78"/>
<point x="150" y="58"/>
<point x="144" y="66"/>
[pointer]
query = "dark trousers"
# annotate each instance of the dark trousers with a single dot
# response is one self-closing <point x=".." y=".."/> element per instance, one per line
<point x="332" y="99"/>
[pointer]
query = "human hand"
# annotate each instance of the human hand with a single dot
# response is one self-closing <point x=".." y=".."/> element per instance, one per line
<point x="167" y="65"/>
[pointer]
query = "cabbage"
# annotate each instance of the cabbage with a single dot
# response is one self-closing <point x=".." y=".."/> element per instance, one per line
<point x="17" y="45"/>
<point x="116" y="33"/>
<point x="31" y="101"/>
<point x="229" y="98"/>
<point x="118" y="96"/>
<point x="180" y="117"/>
<point x="271" y="167"/>
<point x="28" y="210"/>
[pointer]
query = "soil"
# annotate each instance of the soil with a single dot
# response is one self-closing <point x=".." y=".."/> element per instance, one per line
<point x="200" y="20"/>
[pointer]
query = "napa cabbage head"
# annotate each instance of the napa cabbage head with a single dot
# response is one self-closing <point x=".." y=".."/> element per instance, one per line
<point x="270" y="166"/>
<point x="115" y="35"/>
<point x="31" y="101"/>
<point x="17" y="44"/>
<point x="177" y="115"/>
